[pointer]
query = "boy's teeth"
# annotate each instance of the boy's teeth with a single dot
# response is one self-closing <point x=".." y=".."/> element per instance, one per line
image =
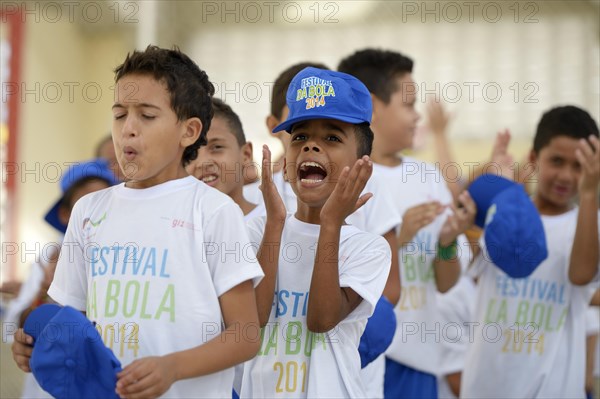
<point x="208" y="179"/>
<point x="311" y="180"/>
<point x="310" y="163"/>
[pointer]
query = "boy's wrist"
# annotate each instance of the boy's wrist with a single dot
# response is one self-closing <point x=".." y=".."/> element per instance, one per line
<point x="447" y="252"/>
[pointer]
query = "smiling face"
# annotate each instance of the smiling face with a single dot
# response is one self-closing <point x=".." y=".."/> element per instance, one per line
<point x="395" y="123"/>
<point x="318" y="151"/>
<point x="558" y="175"/>
<point x="149" y="139"/>
<point x="221" y="162"/>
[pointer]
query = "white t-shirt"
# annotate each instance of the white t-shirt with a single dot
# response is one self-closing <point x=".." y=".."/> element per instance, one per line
<point x="252" y="193"/>
<point x="530" y="340"/>
<point x="149" y="266"/>
<point x="456" y="309"/>
<point x="417" y="340"/>
<point x="296" y="363"/>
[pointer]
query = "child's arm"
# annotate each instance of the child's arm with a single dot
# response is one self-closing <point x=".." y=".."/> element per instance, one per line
<point x="447" y="261"/>
<point x="268" y="252"/>
<point x="584" y="254"/>
<point x="328" y="303"/>
<point x="152" y="376"/>
<point x="393" y="284"/>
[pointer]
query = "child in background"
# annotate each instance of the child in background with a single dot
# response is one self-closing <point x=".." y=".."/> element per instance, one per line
<point x="427" y="240"/>
<point x="80" y="179"/>
<point x="314" y="302"/>
<point x="151" y="259"/>
<point x="541" y="350"/>
<point x="221" y="163"/>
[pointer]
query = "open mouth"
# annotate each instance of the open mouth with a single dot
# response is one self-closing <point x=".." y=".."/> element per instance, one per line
<point x="311" y="172"/>
<point x="209" y="179"/>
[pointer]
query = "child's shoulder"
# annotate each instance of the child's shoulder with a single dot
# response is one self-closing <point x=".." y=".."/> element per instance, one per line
<point x="361" y="240"/>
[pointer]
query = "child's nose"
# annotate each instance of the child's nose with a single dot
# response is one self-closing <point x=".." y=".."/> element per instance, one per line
<point x="130" y="126"/>
<point x="308" y="147"/>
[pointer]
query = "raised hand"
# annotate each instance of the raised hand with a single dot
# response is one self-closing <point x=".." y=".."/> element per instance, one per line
<point x="588" y="155"/>
<point x="274" y="205"/>
<point x="345" y="198"/>
<point x="461" y="219"/>
<point x="417" y="217"/>
<point x="438" y="118"/>
<point x="500" y="155"/>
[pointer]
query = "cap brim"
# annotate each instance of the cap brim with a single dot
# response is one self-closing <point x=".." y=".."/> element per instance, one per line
<point x="53" y="219"/>
<point x="289" y="123"/>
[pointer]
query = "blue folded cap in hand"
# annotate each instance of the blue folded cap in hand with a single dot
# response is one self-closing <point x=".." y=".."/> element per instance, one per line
<point x="69" y="359"/>
<point x="513" y="231"/>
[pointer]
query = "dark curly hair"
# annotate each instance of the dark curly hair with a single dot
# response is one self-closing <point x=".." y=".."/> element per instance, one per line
<point x="188" y="85"/>
<point x="377" y="69"/>
<point x="567" y="121"/>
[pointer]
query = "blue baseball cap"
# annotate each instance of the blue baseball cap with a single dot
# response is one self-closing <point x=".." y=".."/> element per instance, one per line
<point x="69" y="359"/>
<point x="513" y="231"/>
<point x="323" y="94"/>
<point x="379" y="332"/>
<point x="95" y="168"/>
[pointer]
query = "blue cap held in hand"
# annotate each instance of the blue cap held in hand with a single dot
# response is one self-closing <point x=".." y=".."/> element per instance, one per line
<point x="69" y="359"/>
<point x="379" y="332"/>
<point x="322" y="94"/>
<point x="513" y="231"/>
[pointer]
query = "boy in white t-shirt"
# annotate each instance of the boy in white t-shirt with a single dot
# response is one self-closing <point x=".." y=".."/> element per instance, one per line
<point x="427" y="240"/>
<point x="378" y="216"/>
<point x="530" y="336"/>
<point x="159" y="262"/>
<point x="323" y="277"/>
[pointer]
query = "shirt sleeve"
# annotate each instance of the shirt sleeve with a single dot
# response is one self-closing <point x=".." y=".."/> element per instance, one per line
<point x="69" y="286"/>
<point x="365" y="270"/>
<point x="381" y="214"/>
<point x="230" y="255"/>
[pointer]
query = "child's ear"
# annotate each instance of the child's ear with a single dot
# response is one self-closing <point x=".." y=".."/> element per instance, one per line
<point x="285" y="176"/>
<point x="193" y="127"/>
<point x="247" y="156"/>
<point x="377" y="103"/>
<point x="271" y="122"/>
<point x="532" y="156"/>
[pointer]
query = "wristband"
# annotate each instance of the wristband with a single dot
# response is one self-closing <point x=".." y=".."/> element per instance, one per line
<point x="447" y="253"/>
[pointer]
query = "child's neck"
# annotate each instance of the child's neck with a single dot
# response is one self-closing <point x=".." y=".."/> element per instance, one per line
<point x="386" y="159"/>
<point x="549" y="209"/>
<point x="238" y="197"/>
<point x="307" y="214"/>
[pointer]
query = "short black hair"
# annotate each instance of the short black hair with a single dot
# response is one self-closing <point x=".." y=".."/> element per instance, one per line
<point x="188" y="86"/>
<point x="282" y="83"/>
<point x="377" y="69"/>
<point x="567" y="121"/>
<point x="224" y="111"/>
<point x="364" y="138"/>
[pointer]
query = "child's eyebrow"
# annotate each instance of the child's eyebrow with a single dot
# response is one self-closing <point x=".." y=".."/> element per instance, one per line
<point x="137" y="105"/>
<point x="333" y="126"/>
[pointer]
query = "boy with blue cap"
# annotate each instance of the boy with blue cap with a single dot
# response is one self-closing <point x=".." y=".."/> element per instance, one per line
<point x="534" y="274"/>
<point x="322" y="277"/>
